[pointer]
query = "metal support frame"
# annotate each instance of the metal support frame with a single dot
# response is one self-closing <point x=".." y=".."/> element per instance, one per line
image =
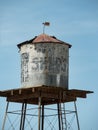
<point x="59" y="120"/>
<point x="39" y="113"/>
<point x="76" y="115"/>
<point x="61" y="115"/>
<point x="65" y="116"/>
<point x="42" y="117"/>
<point x="42" y="97"/>
<point x="4" y="120"/>
<point x="23" y="114"/>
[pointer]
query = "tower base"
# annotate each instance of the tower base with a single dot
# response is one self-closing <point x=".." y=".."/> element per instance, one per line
<point x="41" y="97"/>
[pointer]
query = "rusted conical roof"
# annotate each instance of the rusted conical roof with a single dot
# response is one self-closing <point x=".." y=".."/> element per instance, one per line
<point x="44" y="38"/>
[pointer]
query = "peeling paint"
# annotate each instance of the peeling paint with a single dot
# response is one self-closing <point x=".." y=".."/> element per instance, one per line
<point x="44" y="64"/>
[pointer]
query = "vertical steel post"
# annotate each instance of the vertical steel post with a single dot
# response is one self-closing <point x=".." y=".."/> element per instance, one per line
<point x="65" y="115"/>
<point x="42" y="116"/>
<point x="24" y="115"/>
<point x="43" y="28"/>
<point x="3" y="125"/>
<point x="76" y="115"/>
<point x="21" y="121"/>
<point x="39" y="113"/>
<point x="59" y="120"/>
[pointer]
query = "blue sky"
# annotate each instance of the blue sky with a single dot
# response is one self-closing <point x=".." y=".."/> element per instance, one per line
<point x="73" y="21"/>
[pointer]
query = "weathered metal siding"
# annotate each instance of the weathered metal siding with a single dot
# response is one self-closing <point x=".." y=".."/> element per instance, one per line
<point x="44" y="64"/>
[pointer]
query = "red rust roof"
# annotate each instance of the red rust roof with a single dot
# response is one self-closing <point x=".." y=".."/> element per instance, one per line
<point x="44" y="38"/>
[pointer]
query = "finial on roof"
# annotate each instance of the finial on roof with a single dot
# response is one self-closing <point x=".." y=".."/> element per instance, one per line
<point x="45" y="24"/>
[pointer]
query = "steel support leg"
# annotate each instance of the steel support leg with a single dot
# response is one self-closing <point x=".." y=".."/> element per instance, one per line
<point x="65" y="116"/>
<point x="39" y="113"/>
<point x="42" y="117"/>
<point x="23" y="114"/>
<point x="21" y="121"/>
<point x="3" y="125"/>
<point x="59" y="119"/>
<point x="76" y="115"/>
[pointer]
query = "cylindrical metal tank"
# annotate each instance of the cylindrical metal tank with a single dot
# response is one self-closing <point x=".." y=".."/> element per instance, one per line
<point x="44" y="61"/>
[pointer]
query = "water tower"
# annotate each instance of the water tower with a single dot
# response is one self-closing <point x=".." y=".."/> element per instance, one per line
<point x="44" y="61"/>
<point x="44" y="81"/>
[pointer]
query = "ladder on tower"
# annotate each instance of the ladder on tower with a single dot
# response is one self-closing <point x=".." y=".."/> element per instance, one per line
<point x="63" y="116"/>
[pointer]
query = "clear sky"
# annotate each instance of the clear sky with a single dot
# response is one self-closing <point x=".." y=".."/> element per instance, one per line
<point x="73" y="21"/>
